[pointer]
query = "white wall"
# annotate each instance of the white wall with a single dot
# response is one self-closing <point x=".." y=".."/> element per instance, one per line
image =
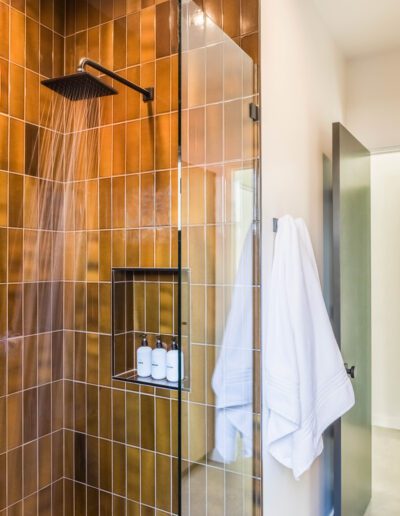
<point x="302" y="94"/>
<point x="385" y="233"/>
<point x="373" y="99"/>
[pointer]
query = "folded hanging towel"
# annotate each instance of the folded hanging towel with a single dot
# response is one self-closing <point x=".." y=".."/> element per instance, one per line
<point x="306" y="385"/>
<point x="232" y="379"/>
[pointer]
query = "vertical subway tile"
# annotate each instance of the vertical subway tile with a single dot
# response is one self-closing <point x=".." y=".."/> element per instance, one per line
<point x="57" y="416"/>
<point x="30" y="415"/>
<point x="163" y="35"/>
<point x="17" y="91"/>
<point x="163" y="81"/>
<point x="4" y="85"/>
<point x="133" y="39"/>
<point x="147" y="421"/>
<point x="3" y="142"/>
<point x="3" y="481"/>
<point x="44" y="414"/>
<point x="249" y="16"/>
<point x="80" y="457"/>
<point x="81" y="13"/>
<point x="119" y="469"/>
<point x="118" y="405"/>
<point x="92" y="500"/>
<point x="93" y="12"/>
<point x="147" y="245"/>
<point x="4" y="28"/>
<point x="105" y="465"/>
<point x="46" y="12"/>
<point x="163" y="142"/>
<point x="133" y="136"/>
<point x="46" y="52"/>
<point x="14" y="365"/>
<point x="44" y="476"/>
<point x="44" y="349"/>
<point x="17" y="45"/>
<point x="147" y="31"/>
<point x="3" y="424"/>
<point x="147" y="478"/>
<point x="3" y="200"/>
<point x="17" y="146"/>
<point x="232" y="17"/>
<point x="163" y="247"/>
<point x="106" y="47"/>
<point x="120" y="39"/>
<point x="133" y="477"/>
<point x="57" y="496"/>
<point x="30" y="463"/>
<point x="147" y="144"/>
<point x="14" y="420"/>
<point x="105" y="413"/>
<point x="14" y="488"/>
<point x="133" y="419"/>
<point x="30" y="362"/>
<point x="32" y="45"/>
<point x="163" y="482"/>
<point x="92" y="461"/>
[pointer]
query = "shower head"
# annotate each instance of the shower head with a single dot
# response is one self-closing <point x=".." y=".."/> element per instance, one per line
<point x="82" y="85"/>
<point x="79" y="86"/>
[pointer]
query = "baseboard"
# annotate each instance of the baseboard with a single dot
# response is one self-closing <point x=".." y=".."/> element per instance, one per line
<point x="386" y="421"/>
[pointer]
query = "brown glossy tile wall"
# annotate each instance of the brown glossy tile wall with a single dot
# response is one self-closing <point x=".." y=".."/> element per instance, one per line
<point x="108" y="449"/>
<point x="31" y="289"/>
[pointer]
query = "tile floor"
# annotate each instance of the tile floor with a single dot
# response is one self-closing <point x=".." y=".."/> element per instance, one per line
<point x="385" y="473"/>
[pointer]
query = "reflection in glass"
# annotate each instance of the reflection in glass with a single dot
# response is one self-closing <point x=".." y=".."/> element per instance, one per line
<point x="232" y="380"/>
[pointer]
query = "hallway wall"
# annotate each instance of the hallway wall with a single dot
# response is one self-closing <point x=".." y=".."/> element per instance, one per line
<point x="385" y="225"/>
<point x="302" y="94"/>
<point x="372" y="99"/>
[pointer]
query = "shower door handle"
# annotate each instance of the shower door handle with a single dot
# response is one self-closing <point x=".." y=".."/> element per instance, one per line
<point x="351" y="371"/>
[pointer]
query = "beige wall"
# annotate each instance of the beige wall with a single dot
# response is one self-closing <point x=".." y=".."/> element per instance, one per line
<point x="372" y="104"/>
<point x="385" y="195"/>
<point x="302" y="94"/>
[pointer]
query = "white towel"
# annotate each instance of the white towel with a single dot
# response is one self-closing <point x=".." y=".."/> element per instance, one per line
<point x="306" y="385"/>
<point x="232" y="379"/>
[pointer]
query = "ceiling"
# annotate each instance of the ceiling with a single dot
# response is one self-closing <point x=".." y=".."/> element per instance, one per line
<point x="362" y="27"/>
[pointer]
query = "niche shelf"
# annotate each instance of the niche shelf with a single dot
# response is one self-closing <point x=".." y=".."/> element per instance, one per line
<point x="145" y="300"/>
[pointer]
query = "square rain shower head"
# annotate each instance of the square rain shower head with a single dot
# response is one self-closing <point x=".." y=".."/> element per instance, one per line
<point x="79" y="86"/>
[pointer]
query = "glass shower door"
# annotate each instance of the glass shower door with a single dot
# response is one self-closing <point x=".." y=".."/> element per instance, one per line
<point x="220" y="469"/>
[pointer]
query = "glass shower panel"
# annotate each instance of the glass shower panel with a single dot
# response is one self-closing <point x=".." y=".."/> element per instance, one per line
<point x="220" y="414"/>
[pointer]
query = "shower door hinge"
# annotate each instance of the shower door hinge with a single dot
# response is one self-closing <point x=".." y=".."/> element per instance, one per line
<point x="254" y="112"/>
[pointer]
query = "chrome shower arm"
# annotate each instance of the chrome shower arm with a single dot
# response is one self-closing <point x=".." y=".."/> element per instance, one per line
<point x="148" y="93"/>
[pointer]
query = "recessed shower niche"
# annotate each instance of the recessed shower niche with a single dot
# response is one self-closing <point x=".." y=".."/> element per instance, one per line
<point x="146" y="302"/>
